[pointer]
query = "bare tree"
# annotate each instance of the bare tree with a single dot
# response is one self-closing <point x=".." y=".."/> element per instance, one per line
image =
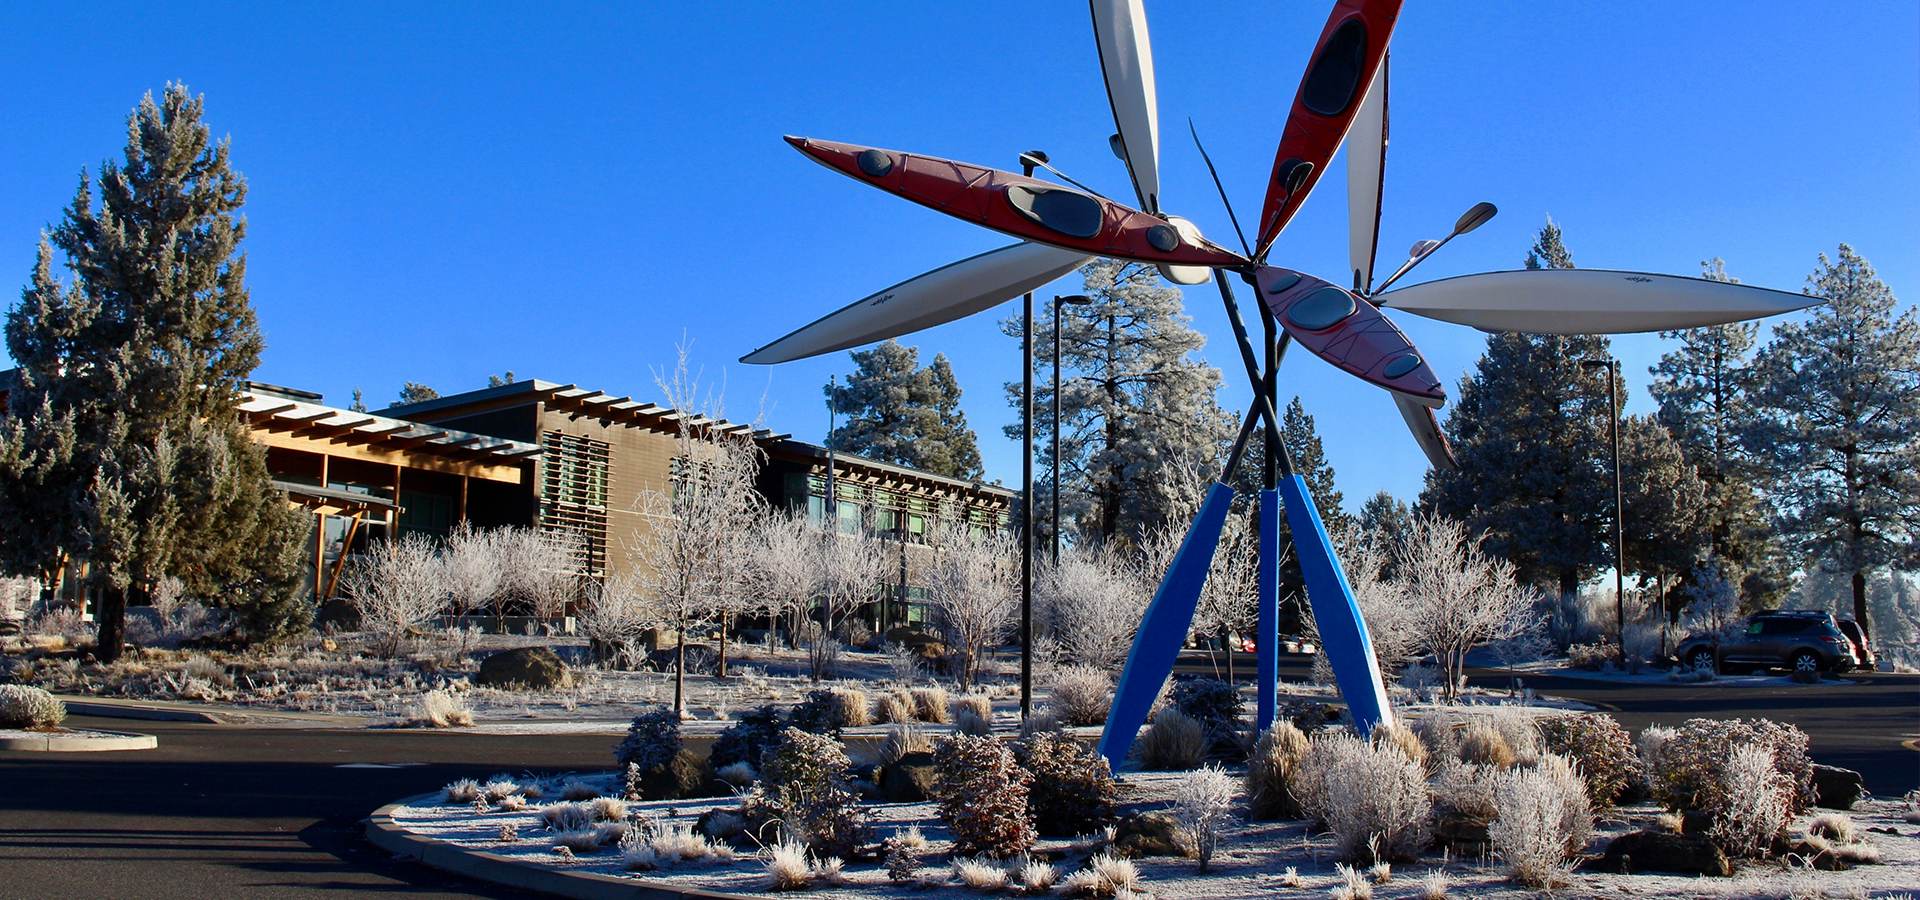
<point x="973" y="587"/>
<point x="612" y="616"/>
<point x="539" y="571"/>
<point x="396" y="587"/>
<point x="849" y="568"/>
<point x="691" y="558"/>
<point x="474" y="575"/>
<point x="1092" y="603"/>
<point x="1227" y="601"/>
<point x="782" y="564"/>
<point x="1456" y="596"/>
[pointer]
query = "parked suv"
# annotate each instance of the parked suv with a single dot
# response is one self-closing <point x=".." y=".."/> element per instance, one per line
<point x="1800" y="640"/>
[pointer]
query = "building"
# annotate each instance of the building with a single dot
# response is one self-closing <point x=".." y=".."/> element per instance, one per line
<point x="599" y="452"/>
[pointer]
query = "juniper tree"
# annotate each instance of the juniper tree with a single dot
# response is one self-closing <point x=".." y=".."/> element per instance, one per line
<point x="122" y="449"/>
<point x="1704" y="388"/>
<point x="1530" y="428"/>
<point x="1839" y="399"/>
<point x="1136" y="402"/>
<point x="898" y="412"/>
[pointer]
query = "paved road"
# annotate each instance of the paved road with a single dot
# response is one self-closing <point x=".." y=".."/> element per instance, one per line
<point x="225" y="811"/>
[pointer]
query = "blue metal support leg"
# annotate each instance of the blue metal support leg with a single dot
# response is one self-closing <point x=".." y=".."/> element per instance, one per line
<point x="1267" y="636"/>
<point x="1343" y="633"/>
<point x="1164" y="628"/>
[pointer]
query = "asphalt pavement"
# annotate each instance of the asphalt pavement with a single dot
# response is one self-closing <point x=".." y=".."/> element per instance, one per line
<point x="263" y="813"/>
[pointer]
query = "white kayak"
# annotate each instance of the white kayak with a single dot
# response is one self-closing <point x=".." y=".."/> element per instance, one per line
<point x="950" y="292"/>
<point x="1588" y="301"/>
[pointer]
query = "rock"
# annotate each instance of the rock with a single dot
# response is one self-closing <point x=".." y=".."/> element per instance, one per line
<point x="1660" y="851"/>
<point x="1837" y="788"/>
<point x="1696" y="822"/>
<point x="1464" y="835"/>
<point x="1806" y="677"/>
<point x="1147" y="834"/>
<point x="1821" y="858"/>
<point x="525" y="668"/>
<point x="687" y="776"/>
<point x="866" y="790"/>
<point x="909" y="780"/>
<point x="721" y="824"/>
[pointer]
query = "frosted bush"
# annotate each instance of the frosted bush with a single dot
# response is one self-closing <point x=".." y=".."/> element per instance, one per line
<point x="461" y="792"/>
<point x="1038" y="877"/>
<point x="1543" y="819"/>
<point x="652" y="740"/>
<point x="1685" y="771"/>
<point x="966" y="721"/>
<point x="855" y="710"/>
<point x="1105" y="875"/>
<point x="1082" y="695"/>
<point x="751" y="733"/>
<point x="1603" y="750"/>
<point x="1072" y="791"/>
<point x="1466" y="788"/>
<point x="575" y="789"/>
<point x="1373" y="798"/>
<point x="982" y="793"/>
<point x="1434" y="885"/>
<point x="564" y="817"/>
<point x="1201" y="803"/>
<point x="931" y="704"/>
<point x="1402" y="737"/>
<point x="902" y="739"/>
<point x="737" y="775"/>
<point x="896" y="706"/>
<point x="440" y="709"/>
<point x="980" y="874"/>
<point x="1353" y="885"/>
<point x="1756" y="803"/>
<point x="1483" y="745"/>
<point x="804" y="786"/>
<point x="582" y="841"/>
<point x="1272" y="769"/>
<point x="979" y="704"/>
<point x="788" y="866"/>
<point x="1174" y="741"/>
<point x="1833" y="826"/>
<point x="29" y="707"/>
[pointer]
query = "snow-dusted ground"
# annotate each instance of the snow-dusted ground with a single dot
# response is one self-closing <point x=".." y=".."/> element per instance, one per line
<point x="1251" y="862"/>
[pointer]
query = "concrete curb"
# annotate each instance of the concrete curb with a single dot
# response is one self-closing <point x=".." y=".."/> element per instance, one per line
<point x="78" y="741"/>
<point x="79" y="707"/>
<point x="170" y="711"/>
<point x="390" y="836"/>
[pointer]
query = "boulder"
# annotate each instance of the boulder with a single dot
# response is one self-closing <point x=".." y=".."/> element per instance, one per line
<point x="1837" y="788"/>
<point x="1817" y="857"/>
<point x="1147" y="834"/>
<point x="525" y="668"/>
<point x="909" y="780"/>
<point x="687" y="776"/>
<point x="1464" y="835"/>
<point x="1662" y="851"/>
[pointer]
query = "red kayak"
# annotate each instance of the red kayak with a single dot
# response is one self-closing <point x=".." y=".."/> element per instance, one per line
<point x="1020" y="206"/>
<point x="1342" y="66"/>
<point x="1342" y="328"/>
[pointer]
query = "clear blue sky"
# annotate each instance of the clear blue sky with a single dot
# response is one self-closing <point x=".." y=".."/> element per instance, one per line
<point x="447" y="191"/>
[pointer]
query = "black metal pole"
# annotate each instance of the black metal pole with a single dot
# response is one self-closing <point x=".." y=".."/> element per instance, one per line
<point x="1619" y="508"/>
<point x="1054" y="523"/>
<point x="1026" y="484"/>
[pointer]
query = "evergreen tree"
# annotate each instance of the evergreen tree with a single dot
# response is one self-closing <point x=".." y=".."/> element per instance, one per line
<point x="1385" y="521"/>
<point x="1310" y="462"/>
<point x="1704" y="388"/>
<point x="1530" y="430"/>
<point x="122" y="448"/>
<point x="1840" y="426"/>
<point x="1137" y="403"/>
<point x="901" y="413"/>
<point x="494" y="381"/>
<point x="415" y="392"/>
<point x="1663" y="501"/>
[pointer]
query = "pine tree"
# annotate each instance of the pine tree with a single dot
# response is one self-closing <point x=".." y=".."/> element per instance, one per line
<point x="1840" y="426"/>
<point x="901" y="413"/>
<point x="1137" y="403"/>
<point x="1663" y="501"/>
<point x="415" y="392"/>
<point x="1530" y="430"/>
<point x="1704" y="388"/>
<point x="122" y="448"/>
<point x="1385" y="523"/>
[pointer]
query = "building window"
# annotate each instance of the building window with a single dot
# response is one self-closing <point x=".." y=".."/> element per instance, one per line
<point x="573" y="494"/>
<point x="428" y="514"/>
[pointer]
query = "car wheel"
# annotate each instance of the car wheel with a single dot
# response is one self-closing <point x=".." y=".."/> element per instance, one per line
<point x="1701" y="660"/>
<point x="1806" y="661"/>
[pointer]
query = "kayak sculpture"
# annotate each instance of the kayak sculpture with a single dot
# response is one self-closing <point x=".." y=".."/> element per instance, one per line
<point x="1341" y="100"/>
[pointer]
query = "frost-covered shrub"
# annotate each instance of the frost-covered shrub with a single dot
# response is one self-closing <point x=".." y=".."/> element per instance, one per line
<point x="930" y="704"/>
<point x="461" y="793"/>
<point x="1105" y="875"/>
<point x="966" y="721"/>
<point x="1038" y="877"/>
<point x="1072" y="791"/>
<point x="896" y="706"/>
<point x="1603" y="750"/>
<point x="1272" y="770"/>
<point x="1082" y="695"/>
<point x="1213" y="703"/>
<point x="902" y="739"/>
<point x="980" y="874"/>
<point x="1174" y="741"/>
<point x="1543" y="819"/>
<point x="440" y="709"/>
<point x="1483" y="745"/>
<point x="1593" y="657"/>
<point x="979" y="704"/>
<point x="803" y="785"/>
<point x="1402" y="737"/>
<point x="1466" y="788"/>
<point x="982" y="793"/>
<point x="789" y="868"/>
<point x="1834" y="826"/>
<point x="575" y="789"/>
<point x="1373" y="798"/>
<point x="1754" y="802"/>
<point x="1685" y="770"/>
<point x="855" y="709"/>
<point x="751" y="733"/>
<point x="29" y="707"/>
<point x="1200" y="804"/>
<point x="652" y="741"/>
<point x="823" y="712"/>
<point x="566" y="817"/>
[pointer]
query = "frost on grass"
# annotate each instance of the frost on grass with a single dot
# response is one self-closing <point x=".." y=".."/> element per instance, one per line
<point x="1373" y="798"/>
<point x="1175" y="741"/>
<point x="1201" y="804"/>
<point x="1755" y="803"/>
<point x="1544" y="818"/>
<point x="440" y="709"/>
<point x="1082" y="695"/>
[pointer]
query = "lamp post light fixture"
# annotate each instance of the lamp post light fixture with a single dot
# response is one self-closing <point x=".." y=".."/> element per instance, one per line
<point x="1029" y="161"/>
<point x="1612" y="366"/>
<point x="1054" y="522"/>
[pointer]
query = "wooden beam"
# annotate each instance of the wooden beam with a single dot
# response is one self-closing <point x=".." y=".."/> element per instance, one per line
<point x="386" y="453"/>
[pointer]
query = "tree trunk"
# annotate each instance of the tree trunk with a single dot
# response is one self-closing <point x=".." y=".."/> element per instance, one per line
<point x="110" y="616"/>
<point x="680" y="666"/>
<point x="723" y="646"/>
<point x="1860" y="604"/>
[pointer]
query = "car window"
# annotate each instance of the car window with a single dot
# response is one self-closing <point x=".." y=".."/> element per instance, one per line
<point x="1782" y="626"/>
<point x="1753" y="627"/>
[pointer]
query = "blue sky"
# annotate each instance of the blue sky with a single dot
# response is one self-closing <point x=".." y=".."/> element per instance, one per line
<point x="565" y="191"/>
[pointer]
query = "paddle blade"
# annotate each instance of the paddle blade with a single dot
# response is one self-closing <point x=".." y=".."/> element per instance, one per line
<point x="1344" y="640"/>
<point x="940" y="296"/>
<point x="1126" y="58"/>
<point x="1164" y="628"/>
<point x="1366" y="178"/>
<point x="1588" y="301"/>
<point x="1426" y="432"/>
<point x="1342" y="67"/>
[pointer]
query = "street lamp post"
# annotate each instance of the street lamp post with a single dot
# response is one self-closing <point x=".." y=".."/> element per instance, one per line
<point x="1619" y="505"/>
<point x="1072" y="300"/>
<point x="1029" y="161"/>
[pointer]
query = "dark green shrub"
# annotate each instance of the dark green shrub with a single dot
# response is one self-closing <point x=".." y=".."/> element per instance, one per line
<point x="747" y="738"/>
<point x="1603" y="750"/>
<point x="823" y="712"/>
<point x="1072" y="791"/>
<point x="652" y="741"/>
<point x="803" y="786"/>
